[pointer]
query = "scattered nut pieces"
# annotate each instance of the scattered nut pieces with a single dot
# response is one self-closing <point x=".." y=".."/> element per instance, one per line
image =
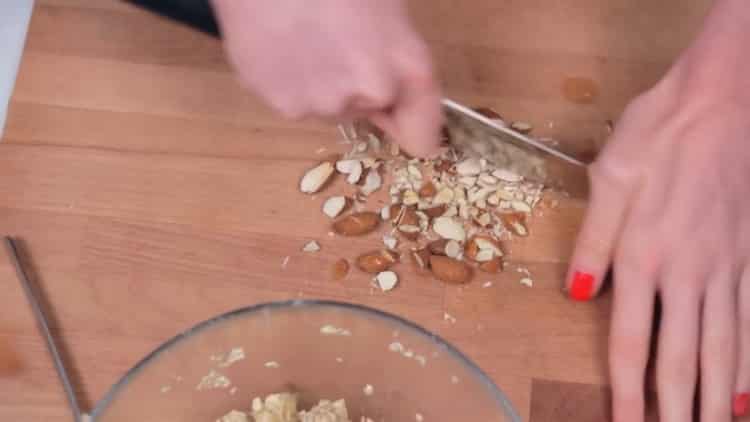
<point x="526" y="281"/>
<point x="386" y="280"/>
<point x="331" y="330"/>
<point x="315" y="178"/>
<point x="311" y="246"/>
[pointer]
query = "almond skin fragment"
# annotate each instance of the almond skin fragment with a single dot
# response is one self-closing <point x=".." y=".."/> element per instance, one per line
<point x="515" y="222"/>
<point x="376" y="261"/>
<point x="493" y="266"/>
<point x="340" y="269"/>
<point x="357" y="224"/>
<point x="450" y="270"/>
<point x="427" y="190"/>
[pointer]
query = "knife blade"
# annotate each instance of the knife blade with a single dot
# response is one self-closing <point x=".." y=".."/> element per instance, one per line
<point x="477" y="135"/>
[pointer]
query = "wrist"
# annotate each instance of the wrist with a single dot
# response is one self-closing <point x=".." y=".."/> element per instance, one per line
<point x="714" y="66"/>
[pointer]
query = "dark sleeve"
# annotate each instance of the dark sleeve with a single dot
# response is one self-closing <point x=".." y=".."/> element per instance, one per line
<point x="195" y="13"/>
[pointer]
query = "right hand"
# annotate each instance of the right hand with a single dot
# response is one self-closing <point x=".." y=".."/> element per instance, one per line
<point x="337" y="59"/>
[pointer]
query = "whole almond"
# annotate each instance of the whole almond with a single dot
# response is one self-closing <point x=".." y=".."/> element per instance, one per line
<point x="357" y="224"/>
<point x="428" y="190"/>
<point x="450" y="270"/>
<point x="493" y="266"/>
<point x="376" y="261"/>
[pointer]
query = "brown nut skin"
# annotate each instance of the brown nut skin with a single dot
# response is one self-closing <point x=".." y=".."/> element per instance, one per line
<point x="450" y="270"/>
<point x="357" y="224"/>
<point x="436" y="211"/>
<point x="493" y="266"/>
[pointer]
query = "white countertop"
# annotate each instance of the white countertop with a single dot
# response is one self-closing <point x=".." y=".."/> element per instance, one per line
<point x="14" y="20"/>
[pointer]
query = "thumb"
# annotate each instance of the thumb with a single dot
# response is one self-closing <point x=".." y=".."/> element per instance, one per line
<point x="598" y="237"/>
<point x="417" y="113"/>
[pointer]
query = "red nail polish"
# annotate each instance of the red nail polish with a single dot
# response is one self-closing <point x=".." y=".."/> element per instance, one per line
<point x="582" y="286"/>
<point x="741" y="404"/>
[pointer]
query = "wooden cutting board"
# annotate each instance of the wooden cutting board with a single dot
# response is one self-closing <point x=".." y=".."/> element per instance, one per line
<point x="153" y="193"/>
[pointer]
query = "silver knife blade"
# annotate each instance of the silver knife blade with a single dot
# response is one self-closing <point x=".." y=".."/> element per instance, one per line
<point x="478" y="135"/>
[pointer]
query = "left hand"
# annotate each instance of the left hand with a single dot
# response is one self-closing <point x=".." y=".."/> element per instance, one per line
<point x="670" y="208"/>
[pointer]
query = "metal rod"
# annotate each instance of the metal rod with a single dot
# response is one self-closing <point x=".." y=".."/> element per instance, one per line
<point x="42" y="321"/>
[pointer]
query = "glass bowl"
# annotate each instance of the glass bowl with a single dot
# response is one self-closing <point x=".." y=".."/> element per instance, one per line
<point x="386" y="368"/>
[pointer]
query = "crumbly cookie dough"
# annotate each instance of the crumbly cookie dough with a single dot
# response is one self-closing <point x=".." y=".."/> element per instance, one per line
<point x="282" y="407"/>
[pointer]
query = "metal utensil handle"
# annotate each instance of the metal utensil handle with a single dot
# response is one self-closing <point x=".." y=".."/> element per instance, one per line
<point x="42" y="321"/>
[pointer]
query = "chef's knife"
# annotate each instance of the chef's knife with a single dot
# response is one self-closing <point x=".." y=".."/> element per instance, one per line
<point x="469" y="131"/>
<point x="484" y="137"/>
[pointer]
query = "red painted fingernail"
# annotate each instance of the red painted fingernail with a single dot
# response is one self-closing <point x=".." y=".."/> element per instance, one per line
<point x="741" y="404"/>
<point x="582" y="286"/>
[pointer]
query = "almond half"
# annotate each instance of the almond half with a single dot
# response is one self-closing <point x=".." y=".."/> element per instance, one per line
<point x="335" y="205"/>
<point x="449" y="228"/>
<point x="315" y="178"/>
<point x="357" y="224"/>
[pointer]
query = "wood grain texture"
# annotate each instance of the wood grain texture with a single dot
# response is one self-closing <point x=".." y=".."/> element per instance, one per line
<point x="153" y="193"/>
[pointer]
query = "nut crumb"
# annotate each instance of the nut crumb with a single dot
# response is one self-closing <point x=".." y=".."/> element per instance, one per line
<point x="368" y="390"/>
<point x="418" y="417"/>
<point x="527" y="282"/>
<point x="233" y="390"/>
<point x="272" y="364"/>
<point x="311" y="246"/>
<point x="487" y="284"/>
<point x="330" y="330"/>
<point x="165" y="389"/>
<point x="449" y="318"/>
<point x="214" y="380"/>
<point x="454" y="379"/>
<point x="285" y="262"/>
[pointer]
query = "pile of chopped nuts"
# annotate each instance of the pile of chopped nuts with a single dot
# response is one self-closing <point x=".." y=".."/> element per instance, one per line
<point x="449" y="215"/>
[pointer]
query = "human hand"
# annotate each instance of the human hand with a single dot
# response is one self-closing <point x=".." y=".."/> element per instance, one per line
<point x="670" y="208"/>
<point x="337" y="59"/>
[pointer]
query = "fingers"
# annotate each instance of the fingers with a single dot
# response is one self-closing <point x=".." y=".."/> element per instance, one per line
<point x="741" y="399"/>
<point x="417" y="113"/>
<point x="629" y="341"/>
<point x="677" y="356"/>
<point x="597" y="239"/>
<point x="718" y="349"/>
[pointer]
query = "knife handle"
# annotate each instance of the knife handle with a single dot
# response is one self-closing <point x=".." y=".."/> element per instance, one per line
<point x="197" y="14"/>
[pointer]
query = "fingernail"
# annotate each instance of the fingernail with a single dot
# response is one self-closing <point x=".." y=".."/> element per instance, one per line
<point x="582" y="286"/>
<point x="741" y="404"/>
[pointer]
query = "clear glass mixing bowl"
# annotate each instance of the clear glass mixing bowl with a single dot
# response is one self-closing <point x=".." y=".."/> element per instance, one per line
<point x="287" y="348"/>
